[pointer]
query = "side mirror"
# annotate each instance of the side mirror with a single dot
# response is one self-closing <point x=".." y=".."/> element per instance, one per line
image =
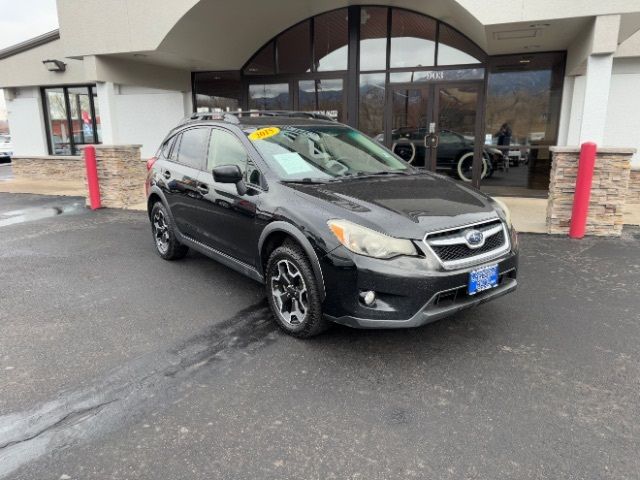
<point x="230" y="174"/>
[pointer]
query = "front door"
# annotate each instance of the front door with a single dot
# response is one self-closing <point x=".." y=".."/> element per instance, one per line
<point x="227" y="220"/>
<point x="435" y="126"/>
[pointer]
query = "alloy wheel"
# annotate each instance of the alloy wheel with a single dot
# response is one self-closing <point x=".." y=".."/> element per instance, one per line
<point x="161" y="231"/>
<point x="289" y="292"/>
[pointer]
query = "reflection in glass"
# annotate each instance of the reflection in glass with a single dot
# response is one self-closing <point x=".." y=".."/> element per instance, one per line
<point x="96" y="111"/>
<point x="371" y="108"/>
<point x="330" y="32"/>
<point x="274" y="96"/>
<point x="409" y="118"/>
<point x="522" y="115"/>
<point x="373" y="38"/>
<point x="437" y="75"/>
<point x="322" y="96"/>
<point x="263" y="63"/>
<point x="456" y="49"/>
<point x="294" y="49"/>
<point x="217" y="91"/>
<point x="413" y="40"/>
<point x="58" y="124"/>
<point x="81" y="119"/>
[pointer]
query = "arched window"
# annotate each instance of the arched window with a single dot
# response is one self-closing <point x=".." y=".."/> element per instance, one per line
<point x="319" y="44"/>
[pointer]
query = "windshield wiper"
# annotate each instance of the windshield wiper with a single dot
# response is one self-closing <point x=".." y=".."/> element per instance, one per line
<point x="375" y="174"/>
<point x="309" y="181"/>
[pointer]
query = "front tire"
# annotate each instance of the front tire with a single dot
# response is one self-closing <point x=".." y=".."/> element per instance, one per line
<point x="293" y="292"/>
<point x="164" y="236"/>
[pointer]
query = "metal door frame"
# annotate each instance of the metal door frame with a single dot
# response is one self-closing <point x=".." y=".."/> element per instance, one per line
<point x="432" y="115"/>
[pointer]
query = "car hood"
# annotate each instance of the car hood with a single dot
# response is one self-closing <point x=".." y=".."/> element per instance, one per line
<point x="402" y="206"/>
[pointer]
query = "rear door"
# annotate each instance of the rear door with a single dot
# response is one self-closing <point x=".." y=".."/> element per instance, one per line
<point x="180" y="177"/>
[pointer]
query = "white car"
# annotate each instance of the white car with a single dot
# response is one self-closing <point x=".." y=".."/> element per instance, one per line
<point x="6" y="149"/>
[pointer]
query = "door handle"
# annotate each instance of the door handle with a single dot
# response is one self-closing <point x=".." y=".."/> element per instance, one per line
<point x="203" y="189"/>
<point x="166" y="174"/>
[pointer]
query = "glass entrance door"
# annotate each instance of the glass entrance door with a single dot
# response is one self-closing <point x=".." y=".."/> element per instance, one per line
<point x="436" y="126"/>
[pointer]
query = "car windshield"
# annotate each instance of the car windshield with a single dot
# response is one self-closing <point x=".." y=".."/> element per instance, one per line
<point x="323" y="153"/>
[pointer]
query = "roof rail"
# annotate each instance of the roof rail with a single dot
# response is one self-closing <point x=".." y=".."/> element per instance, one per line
<point x="234" y="116"/>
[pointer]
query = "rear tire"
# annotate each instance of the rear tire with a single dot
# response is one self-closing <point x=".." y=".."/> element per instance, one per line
<point x="293" y="292"/>
<point x="164" y="237"/>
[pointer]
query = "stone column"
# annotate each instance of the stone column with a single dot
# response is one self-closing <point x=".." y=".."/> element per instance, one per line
<point x="121" y="174"/>
<point x="608" y="192"/>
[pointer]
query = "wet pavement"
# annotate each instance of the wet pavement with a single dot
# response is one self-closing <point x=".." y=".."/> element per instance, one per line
<point x="115" y="364"/>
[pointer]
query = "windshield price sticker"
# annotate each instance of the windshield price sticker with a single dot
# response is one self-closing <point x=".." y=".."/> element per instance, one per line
<point x="264" y="133"/>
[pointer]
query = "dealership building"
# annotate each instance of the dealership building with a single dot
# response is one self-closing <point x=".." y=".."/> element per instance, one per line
<point x="506" y="79"/>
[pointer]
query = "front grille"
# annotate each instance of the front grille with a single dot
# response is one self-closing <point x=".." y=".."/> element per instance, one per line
<point x="456" y="252"/>
<point x="451" y="247"/>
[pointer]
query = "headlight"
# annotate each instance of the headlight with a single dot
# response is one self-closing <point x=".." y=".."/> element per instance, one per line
<point x="365" y="241"/>
<point x="506" y="214"/>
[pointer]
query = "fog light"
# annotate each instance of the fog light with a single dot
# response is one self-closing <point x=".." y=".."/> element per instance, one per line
<point x="369" y="297"/>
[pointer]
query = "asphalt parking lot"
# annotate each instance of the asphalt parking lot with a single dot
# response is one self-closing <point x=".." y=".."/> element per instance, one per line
<point x="116" y="364"/>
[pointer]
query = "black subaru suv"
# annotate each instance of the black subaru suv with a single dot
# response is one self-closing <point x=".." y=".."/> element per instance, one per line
<point x="337" y="227"/>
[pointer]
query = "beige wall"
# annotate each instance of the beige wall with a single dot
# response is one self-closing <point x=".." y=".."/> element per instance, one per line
<point x="26" y="68"/>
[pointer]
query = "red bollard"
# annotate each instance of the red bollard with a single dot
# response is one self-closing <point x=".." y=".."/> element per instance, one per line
<point x="92" y="177"/>
<point x="582" y="195"/>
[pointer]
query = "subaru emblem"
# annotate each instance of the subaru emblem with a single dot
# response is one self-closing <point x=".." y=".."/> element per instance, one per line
<point x="474" y="238"/>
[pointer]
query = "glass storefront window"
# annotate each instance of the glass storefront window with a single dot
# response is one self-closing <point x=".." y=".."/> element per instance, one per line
<point x="58" y="125"/>
<point x="273" y="96"/>
<point x="371" y="108"/>
<point x="373" y="38"/>
<point x="217" y="91"/>
<point x="294" y="49"/>
<point x="71" y="118"/>
<point x="263" y="62"/>
<point x="456" y="49"/>
<point x="81" y="118"/>
<point x="330" y="41"/>
<point x="322" y="96"/>
<point x="522" y="115"/>
<point x="413" y="40"/>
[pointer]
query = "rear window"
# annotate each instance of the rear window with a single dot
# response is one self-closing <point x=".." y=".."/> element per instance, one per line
<point x="193" y="147"/>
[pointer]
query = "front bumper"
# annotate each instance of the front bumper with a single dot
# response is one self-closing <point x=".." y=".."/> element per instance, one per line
<point x="410" y="291"/>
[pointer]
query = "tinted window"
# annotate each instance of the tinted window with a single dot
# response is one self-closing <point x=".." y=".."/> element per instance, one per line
<point x="413" y="40"/>
<point x="273" y="96"/>
<point x="294" y="49"/>
<point x="217" y="91"/>
<point x="192" y="147"/>
<point x="455" y="49"/>
<point x="373" y="38"/>
<point x="372" y="88"/>
<point x="330" y="31"/>
<point x="226" y="149"/>
<point x="173" y="156"/>
<point x="263" y="62"/>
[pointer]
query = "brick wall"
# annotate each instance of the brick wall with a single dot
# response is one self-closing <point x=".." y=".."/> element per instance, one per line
<point x="121" y="173"/>
<point x="633" y="193"/>
<point x="608" y="191"/>
<point x="48" y="168"/>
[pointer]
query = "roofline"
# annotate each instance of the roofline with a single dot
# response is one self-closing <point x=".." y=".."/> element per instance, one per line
<point x="29" y="44"/>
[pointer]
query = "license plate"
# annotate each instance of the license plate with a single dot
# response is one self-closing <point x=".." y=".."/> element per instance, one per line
<point x="482" y="279"/>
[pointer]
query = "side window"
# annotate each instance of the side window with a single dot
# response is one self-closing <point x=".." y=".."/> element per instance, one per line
<point x="166" y="147"/>
<point x="173" y="156"/>
<point x="226" y="149"/>
<point x="192" y="147"/>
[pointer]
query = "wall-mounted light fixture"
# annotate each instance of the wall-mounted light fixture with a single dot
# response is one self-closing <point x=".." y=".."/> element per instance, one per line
<point x="55" y="65"/>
